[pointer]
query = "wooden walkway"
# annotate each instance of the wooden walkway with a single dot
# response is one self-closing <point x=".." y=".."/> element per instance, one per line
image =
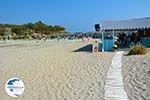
<point x="114" y="89"/>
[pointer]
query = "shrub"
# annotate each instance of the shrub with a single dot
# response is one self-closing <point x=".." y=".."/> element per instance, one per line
<point x="137" y="50"/>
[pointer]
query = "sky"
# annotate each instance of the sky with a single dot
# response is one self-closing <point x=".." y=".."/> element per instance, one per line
<point x="74" y="15"/>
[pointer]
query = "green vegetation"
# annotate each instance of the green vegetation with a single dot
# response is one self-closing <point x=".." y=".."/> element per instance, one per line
<point x="27" y="30"/>
<point x="137" y="50"/>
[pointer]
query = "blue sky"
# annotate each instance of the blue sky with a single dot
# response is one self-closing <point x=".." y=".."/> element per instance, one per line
<point x="74" y="15"/>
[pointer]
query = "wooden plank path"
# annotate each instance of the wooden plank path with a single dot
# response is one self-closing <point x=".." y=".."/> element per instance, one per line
<point x="114" y="89"/>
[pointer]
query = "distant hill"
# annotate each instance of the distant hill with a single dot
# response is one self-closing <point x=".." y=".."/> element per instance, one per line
<point x="30" y="28"/>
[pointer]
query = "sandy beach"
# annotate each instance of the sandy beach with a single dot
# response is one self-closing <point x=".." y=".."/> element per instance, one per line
<point x="53" y="71"/>
<point x="134" y="73"/>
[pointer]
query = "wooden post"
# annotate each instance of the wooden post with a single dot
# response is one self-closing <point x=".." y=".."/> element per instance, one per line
<point x="103" y="41"/>
<point x="113" y="37"/>
<point x="147" y="85"/>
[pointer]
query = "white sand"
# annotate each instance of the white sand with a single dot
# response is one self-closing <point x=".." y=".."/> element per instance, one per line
<point x="52" y="71"/>
<point x="134" y="74"/>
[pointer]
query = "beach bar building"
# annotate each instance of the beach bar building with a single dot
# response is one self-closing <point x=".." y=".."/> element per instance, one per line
<point x="113" y="30"/>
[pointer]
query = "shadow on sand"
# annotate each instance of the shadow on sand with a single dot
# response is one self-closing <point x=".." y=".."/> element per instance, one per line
<point x="87" y="48"/>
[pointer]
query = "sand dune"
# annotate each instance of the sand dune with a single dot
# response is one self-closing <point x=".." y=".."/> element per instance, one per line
<point x="52" y="71"/>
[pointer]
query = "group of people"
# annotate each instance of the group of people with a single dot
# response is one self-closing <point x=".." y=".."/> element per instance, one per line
<point x="83" y="37"/>
<point x="127" y="40"/>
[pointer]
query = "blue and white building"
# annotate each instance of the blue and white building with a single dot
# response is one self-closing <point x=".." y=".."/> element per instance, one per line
<point x="111" y="29"/>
